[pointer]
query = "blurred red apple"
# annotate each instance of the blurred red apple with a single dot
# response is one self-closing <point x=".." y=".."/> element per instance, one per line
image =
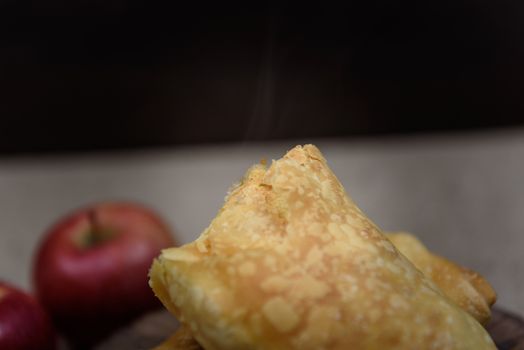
<point x="91" y="269"/>
<point x="23" y="322"/>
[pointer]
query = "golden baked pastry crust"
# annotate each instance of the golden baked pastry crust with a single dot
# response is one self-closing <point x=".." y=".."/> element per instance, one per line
<point x="465" y="287"/>
<point x="290" y="262"/>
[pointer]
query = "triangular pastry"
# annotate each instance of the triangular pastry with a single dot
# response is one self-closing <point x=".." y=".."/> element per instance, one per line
<point x="290" y="262"/>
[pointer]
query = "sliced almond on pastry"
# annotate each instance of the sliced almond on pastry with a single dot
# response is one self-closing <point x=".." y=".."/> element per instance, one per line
<point x="290" y="262"/>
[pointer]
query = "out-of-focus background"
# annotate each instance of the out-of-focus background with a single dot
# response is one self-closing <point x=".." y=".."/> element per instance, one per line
<point x="128" y="74"/>
<point x="418" y="107"/>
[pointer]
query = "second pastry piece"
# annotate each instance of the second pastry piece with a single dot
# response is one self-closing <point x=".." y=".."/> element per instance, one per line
<point x="291" y="263"/>
<point x="465" y="287"/>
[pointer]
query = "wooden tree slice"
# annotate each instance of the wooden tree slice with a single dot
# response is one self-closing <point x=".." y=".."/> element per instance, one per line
<point x="507" y="330"/>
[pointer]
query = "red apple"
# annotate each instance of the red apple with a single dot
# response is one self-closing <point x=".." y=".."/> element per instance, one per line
<point x="91" y="269"/>
<point x="23" y="322"/>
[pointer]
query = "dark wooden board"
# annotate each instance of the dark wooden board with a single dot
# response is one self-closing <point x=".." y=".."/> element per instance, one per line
<point x="506" y="329"/>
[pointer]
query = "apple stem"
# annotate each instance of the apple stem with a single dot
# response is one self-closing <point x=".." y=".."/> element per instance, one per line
<point x="97" y="234"/>
<point x="93" y="221"/>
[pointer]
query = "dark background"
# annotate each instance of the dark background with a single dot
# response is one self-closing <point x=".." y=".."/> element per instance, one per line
<point x="89" y="75"/>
